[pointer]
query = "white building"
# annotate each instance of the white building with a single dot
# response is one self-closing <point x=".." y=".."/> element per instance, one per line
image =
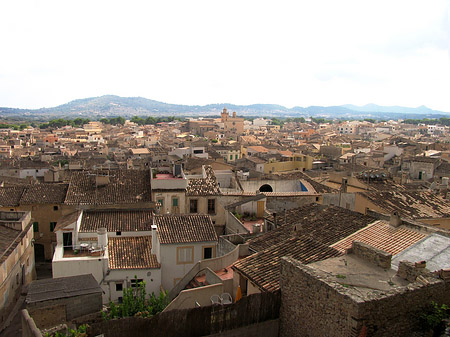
<point x="195" y="151"/>
<point x="179" y="242"/>
<point x="118" y="246"/>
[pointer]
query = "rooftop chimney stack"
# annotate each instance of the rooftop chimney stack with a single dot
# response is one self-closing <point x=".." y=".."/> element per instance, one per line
<point x="154" y="227"/>
<point x="395" y="220"/>
<point x="102" y="238"/>
<point x="344" y="184"/>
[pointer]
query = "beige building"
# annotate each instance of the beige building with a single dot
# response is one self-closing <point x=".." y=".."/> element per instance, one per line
<point x="17" y="258"/>
<point x="46" y="204"/>
<point x="232" y="123"/>
<point x="296" y="162"/>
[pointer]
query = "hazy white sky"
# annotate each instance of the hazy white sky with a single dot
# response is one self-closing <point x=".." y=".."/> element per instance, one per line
<point x="298" y="52"/>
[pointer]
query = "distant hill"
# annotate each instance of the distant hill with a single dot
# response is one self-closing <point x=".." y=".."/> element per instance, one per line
<point x="396" y="109"/>
<point x="112" y="106"/>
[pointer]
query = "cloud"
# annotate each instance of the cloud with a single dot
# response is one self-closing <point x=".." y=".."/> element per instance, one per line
<point x="200" y="52"/>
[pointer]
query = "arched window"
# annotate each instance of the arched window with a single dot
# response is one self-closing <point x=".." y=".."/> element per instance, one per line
<point x="266" y="188"/>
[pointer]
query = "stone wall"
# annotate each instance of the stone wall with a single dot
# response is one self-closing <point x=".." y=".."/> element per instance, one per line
<point x="316" y="305"/>
<point x="371" y="254"/>
<point x="312" y="308"/>
<point x="49" y="313"/>
<point x="29" y="328"/>
<point x="281" y="203"/>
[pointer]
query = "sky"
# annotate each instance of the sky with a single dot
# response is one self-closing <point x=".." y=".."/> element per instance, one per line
<point x="292" y="53"/>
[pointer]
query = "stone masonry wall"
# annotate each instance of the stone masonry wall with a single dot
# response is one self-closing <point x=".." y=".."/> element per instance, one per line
<point x="372" y="254"/>
<point x="312" y="308"/>
<point x="398" y="313"/>
<point x="314" y="305"/>
<point x="52" y="312"/>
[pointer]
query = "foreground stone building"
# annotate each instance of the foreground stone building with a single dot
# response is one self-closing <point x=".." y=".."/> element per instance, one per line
<point x="357" y="294"/>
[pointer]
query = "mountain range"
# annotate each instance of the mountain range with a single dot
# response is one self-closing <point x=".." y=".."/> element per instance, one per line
<point x="112" y="106"/>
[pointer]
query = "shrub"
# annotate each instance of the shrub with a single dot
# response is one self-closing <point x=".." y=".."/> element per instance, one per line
<point x="134" y="303"/>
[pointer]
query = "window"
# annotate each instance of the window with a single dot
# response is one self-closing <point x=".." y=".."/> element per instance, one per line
<point x="236" y="156"/>
<point x="193" y="206"/>
<point x="211" y="206"/>
<point x="185" y="255"/>
<point x="135" y="282"/>
<point x="231" y="157"/>
<point x="52" y="226"/>
<point x="119" y="286"/>
<point x="207" y="252"/>
<point x="161" y="201"/>
<point x="35" y="226"/>
<point x="55" y="208"/>
<point x="175" y="202"/>
<point x="120" y="299"/>
<point x="118" y="233"/>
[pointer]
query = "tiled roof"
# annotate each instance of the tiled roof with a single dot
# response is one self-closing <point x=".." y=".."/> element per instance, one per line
<point x="326" y="225"/>
<point x="263" y="268"/>
<point x="257" y="148"/>
<point x="116" y="220"/>
<point x="381" y="235"/>
<point x="44" y="194"/>
<point x="10" y="239"/>
<point x="131" y="253"/>
<point x="7" y="237"/>
<point x="304" y="233"/>
<point x="62" y="287"/>
<point x="411" y="204"/>
<point x="10" y="196"/>
<point x="184" y="228"/>
<point x="204" y="186"/>
<point x="124" y="187"/>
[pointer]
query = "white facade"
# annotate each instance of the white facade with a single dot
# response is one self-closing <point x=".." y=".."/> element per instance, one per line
<point x="172" y="269"/>
<point x="198" y="151"/>
<point x="117" y="277"/>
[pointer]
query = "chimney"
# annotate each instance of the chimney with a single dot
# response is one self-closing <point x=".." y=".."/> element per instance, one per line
<point x="344" y="184"/>
<point x="102" y="237"/>
<point x="395" y="220"/>
<point x="154" y="239"/>
<point x="234" y="114"/>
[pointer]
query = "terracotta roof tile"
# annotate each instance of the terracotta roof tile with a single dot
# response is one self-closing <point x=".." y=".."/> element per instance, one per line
<point x="131" y="253"/>
<point x="326" y="225"/>
<point x="304" y="233"/>
<point x="184" y="228"/>
<point x="116" y="220"/>
<point x="204" y="186"/>
<point x="263" y="268"/>
<point x="381" y="235"/>
<point x="10" y="196"/>
<point x="44" y="194"/>
<point x="411" y="204"/>
<point x="124" y="187"/>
